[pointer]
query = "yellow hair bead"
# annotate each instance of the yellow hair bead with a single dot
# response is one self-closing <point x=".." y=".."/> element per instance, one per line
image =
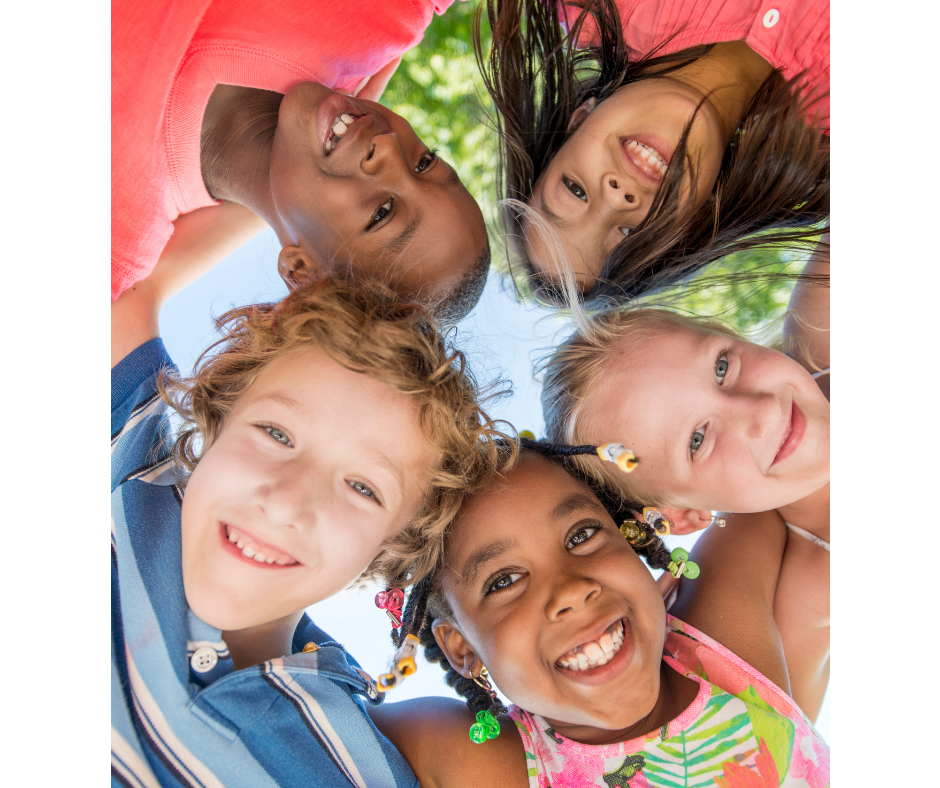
<point x="618" y="454"/>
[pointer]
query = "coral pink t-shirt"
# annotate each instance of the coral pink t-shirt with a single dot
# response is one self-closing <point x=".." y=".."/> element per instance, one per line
<point x="168" y="55"/>
<point x="792" y="35"/>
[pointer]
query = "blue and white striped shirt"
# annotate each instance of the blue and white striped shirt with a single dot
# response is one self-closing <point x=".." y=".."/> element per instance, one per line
<point x="298" y="720"/>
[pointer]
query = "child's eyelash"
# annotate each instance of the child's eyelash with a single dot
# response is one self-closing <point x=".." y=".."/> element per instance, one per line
<point x="490" y="586"/>
<point x="273" y="428"/>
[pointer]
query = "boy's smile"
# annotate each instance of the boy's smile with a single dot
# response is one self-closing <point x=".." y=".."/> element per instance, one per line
<point x="313" y="470"/>
<point x="549" y="595"/>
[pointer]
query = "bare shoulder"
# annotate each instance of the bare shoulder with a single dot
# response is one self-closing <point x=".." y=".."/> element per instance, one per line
<point x="732" y="600"/>
<point x="434" y="736"/>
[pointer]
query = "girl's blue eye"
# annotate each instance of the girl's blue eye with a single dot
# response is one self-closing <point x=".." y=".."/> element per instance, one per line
<point x="696" y="442"/>
<point x="364" y="491"/>
<point x="384" y="210"/>
<point x="279" y="435"/>
<point x="575" y="189"/>
<point x="426" y="161"/>
<point x="721" y="368"/>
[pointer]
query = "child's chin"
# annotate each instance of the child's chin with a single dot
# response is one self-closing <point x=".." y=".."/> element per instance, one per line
<point x="220" y="613"/>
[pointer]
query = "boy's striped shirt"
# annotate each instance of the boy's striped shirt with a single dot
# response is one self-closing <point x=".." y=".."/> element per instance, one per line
<point x="298" y="720"/>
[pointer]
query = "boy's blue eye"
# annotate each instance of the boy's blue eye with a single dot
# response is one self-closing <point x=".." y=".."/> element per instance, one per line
<point x="721" y="368"/>
<point x="279" y="435"/>
<point x="696" y="442"/>
<point x="363" y="490"/>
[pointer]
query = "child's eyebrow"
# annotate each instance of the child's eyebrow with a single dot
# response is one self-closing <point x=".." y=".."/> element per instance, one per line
<point x="401" y="240"/>
<point x="575" y="502"/>
<point x="473" y="564"/>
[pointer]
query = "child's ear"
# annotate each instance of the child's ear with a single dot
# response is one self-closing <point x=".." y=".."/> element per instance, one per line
<point x="458" y="651"/>
<point x="296" y="265"/>
<point x="686" y="521"/>
<point x="578" y="116"/>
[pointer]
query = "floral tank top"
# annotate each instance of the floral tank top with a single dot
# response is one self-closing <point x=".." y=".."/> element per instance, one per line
<point x="741" y="731"/>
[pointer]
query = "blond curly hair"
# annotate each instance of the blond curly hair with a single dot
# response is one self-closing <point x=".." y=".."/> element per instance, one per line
<point x="366" y="328"/>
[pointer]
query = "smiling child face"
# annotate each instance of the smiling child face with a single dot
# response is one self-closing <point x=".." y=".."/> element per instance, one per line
<point x="375" y="197"/>
<point x="538" y="573"/>
<point x="315" y="467"/>
<point x="600" y="185"/>
<point x="718" y="423"/>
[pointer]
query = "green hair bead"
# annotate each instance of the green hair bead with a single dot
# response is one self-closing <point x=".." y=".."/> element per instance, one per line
<point x="486" y="727"/>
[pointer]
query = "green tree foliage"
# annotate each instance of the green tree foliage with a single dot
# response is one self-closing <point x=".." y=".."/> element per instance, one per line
<point x="439" y="90"/>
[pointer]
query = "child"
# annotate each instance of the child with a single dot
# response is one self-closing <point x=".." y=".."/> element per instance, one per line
<point x="719" y="424"/>
<point x="682" y="132"/>
<point x="247" y="102"/>
<point x="323" y="437"/>
<point x="538" y="585"/>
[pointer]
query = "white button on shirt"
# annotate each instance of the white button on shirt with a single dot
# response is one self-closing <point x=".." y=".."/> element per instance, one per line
<point x="204" y="659"/>
<point x="771" y="17"/>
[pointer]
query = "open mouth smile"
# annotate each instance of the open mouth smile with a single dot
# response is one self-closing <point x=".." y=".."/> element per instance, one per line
<point x="338" y="129"/>
<point x="645" y="158"/>
<point x="251" y="549"/>
<point x="594" y="653"/>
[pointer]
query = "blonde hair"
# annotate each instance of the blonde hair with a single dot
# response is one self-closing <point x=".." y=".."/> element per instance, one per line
<point x="576" y="368"/>
<point x="369" y="329"/>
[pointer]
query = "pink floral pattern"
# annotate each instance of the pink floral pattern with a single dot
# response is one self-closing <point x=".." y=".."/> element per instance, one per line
<point x="742" y="731"/>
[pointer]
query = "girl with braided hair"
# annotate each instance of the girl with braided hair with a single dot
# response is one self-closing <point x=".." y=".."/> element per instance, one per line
<point x="538" y="584"/>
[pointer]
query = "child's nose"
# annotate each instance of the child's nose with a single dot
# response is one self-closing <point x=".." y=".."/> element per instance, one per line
<point x="569" y="594"/>
<point x="385" y="151"/>
<point x="760" y="413"/>
<point x="619" y="192"/>
<point x="287" y="500"/>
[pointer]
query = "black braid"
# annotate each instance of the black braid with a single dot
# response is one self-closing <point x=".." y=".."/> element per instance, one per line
<point x="413" y="612"/>
<point x="478" y="699"/>
<point x="417" y="620"/>
<point x="557" y="449"/>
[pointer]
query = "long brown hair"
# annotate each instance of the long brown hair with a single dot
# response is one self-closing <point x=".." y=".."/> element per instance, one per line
<point x="773" y="186"/>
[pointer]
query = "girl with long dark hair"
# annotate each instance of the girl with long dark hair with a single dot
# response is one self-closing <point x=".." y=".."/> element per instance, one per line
<point x="644" y="139"/>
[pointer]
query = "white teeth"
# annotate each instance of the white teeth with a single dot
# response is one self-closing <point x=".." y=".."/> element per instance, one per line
<point x="649" y="156"/>
<point x="339" y="128"/>
<point x="347" y="119"/>
<point x="254" y="552"/>
<point x="596" y="653"/>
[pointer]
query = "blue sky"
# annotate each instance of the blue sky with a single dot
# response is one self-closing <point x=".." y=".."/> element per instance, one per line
<point x="501" y="339"/>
